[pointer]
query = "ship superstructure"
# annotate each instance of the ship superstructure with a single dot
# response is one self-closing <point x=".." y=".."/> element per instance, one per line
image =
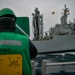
<point x="64" y="28"/>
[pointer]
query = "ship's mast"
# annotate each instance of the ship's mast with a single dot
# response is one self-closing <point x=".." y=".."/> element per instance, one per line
<point x="64" y="16"/>
<point x="37" y="25"/>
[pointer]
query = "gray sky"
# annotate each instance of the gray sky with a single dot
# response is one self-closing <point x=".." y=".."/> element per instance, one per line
<point x="46" y="7"/>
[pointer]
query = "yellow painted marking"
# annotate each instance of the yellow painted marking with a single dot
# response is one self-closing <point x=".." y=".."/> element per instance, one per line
<point x="11" y="64"/>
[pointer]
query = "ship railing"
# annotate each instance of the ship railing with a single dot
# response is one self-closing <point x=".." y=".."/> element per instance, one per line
<point x="45" y="64"/>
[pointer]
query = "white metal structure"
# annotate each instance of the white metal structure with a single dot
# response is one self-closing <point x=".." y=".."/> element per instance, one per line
<point x="45" y="64"/>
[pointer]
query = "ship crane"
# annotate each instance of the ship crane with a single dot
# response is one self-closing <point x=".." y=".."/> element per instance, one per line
<point x="37" y="23"/>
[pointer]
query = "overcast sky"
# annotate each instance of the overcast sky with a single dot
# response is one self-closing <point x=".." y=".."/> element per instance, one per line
<point x="46" y="7"/>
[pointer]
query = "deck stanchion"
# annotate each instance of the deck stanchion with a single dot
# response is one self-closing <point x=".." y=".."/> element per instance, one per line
<point x="44" y="67"/>
<point x="33" y="67"/>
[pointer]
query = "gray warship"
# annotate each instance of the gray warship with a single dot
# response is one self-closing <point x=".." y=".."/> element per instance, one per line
<point x="58" y="38"/>
<point x="57" y="45"/>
